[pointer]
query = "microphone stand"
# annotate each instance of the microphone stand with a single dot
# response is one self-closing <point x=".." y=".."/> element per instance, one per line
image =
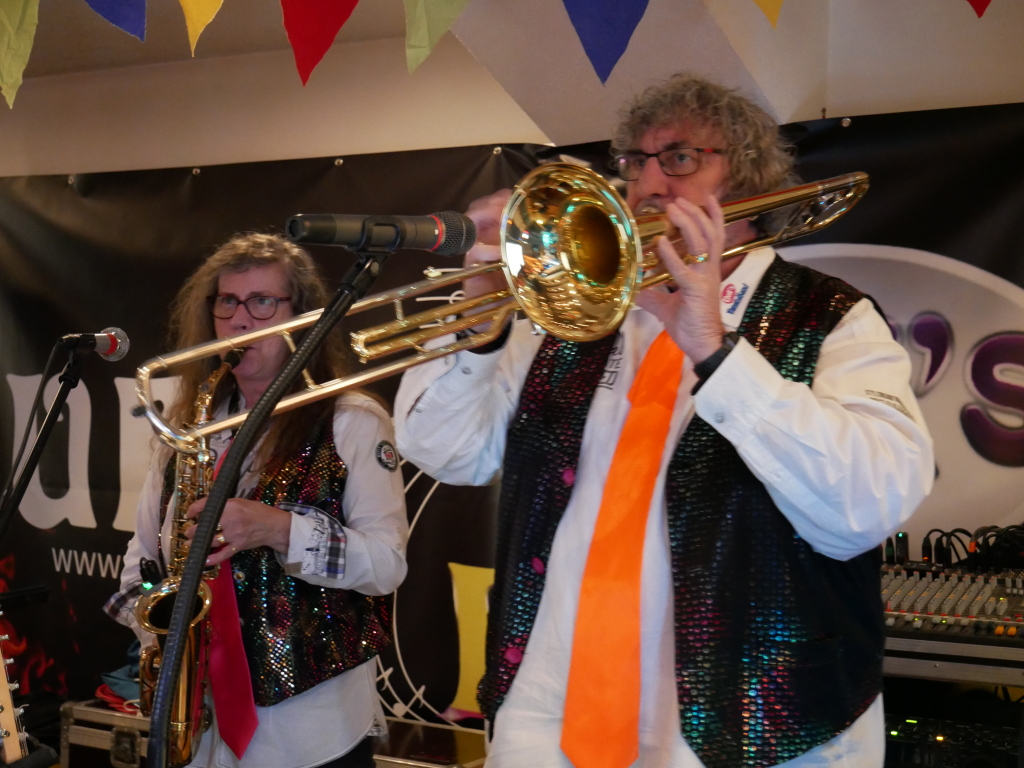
<point x="69" y="379"/>
<point x="354" y="286"/>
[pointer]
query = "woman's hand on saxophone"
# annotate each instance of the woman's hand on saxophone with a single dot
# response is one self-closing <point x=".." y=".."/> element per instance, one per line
<point x="245" y="524"/>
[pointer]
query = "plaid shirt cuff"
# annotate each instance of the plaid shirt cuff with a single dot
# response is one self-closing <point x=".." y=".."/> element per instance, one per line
<point x="323" y="551"/>
<point x="121" y="605"/>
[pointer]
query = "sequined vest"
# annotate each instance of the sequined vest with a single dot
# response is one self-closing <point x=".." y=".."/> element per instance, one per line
<point x="296" y="634"/>
<point x="778" y="648"/>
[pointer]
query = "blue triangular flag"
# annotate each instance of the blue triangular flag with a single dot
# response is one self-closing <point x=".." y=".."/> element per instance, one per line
<point x="605" y="27"/>
<point x="129" y="15"/>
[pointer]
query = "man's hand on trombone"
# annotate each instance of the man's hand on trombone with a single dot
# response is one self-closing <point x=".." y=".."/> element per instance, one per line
<point x="486" y="214"/>
<point x="691" y="312"/>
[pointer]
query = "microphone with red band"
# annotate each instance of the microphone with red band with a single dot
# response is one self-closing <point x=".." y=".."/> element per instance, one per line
<point x="110" y="343"/>
<point x="445" y="233"/>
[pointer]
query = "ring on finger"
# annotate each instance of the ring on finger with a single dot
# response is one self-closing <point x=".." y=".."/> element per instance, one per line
<point x="219" y="540"/>
<point x="700" y="258"/>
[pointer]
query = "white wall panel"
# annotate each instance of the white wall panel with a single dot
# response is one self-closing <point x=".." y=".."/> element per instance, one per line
<point x="246" y="108"/>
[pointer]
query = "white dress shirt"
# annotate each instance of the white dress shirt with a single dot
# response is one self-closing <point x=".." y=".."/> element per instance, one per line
<point x="331" y="718"/>
<point x="846" y="460"/>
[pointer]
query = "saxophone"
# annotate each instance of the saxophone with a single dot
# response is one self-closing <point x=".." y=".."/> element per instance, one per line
<point x="193" y="476"/>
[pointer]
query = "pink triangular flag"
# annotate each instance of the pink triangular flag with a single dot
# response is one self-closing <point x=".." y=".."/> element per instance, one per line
<point x="312" y="26"/>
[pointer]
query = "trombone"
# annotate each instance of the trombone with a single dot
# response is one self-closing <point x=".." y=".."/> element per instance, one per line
<point x="573" y="255"/>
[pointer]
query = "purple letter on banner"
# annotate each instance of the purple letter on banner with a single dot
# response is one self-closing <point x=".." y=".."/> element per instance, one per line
<point x="931" y="334"/>
<point x="129" y="15"/>
<point x="993" y="441"/>
<point x="605" y="27"/>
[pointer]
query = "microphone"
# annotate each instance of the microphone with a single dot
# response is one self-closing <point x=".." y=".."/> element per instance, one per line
<point x="110" y="343"/>
<point x="446" y="233"/>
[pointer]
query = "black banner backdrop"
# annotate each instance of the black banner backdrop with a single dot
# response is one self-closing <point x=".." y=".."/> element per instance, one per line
<point x="78" y="254"/>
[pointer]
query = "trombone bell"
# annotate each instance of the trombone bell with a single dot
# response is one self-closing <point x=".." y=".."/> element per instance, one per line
<point x="569" y="247"/>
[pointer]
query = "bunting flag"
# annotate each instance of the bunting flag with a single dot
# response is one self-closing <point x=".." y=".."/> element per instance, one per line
<point x="425" y="22"/>
<point x="198" y="13"/>
<point x="979" y="6"/>
<point x="312" y="26"/>
<point x="18" y="20"/>
<point x="771" y="9"/>
<point x="128" y="15"/>
<point x="605" y="27"/>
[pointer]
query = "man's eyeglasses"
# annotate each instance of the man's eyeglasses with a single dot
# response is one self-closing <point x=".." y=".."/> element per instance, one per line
<point x="680" y="161"/>
<point x="224" y="305"/>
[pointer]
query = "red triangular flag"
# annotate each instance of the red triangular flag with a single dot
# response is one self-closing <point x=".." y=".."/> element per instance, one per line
<point x="312" y="26"/>
<point x="979" y="6"/>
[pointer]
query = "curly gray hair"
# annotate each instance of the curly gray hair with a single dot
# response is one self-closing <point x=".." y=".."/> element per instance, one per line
<point x="760" y="160"/>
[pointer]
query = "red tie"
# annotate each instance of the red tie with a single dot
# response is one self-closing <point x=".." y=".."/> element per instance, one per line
<point x="601" y="726"/>
<point x="229" y="671"/>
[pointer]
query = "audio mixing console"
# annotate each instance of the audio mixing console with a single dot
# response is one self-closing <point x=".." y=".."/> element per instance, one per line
<point x="950" y="624"/>
<point x="950" y="603"/>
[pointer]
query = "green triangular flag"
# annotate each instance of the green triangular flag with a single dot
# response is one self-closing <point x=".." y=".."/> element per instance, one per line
<point x="425" y="22"/>
<point x="18" y="20"/>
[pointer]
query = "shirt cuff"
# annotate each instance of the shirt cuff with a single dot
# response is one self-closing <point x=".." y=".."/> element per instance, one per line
<point x="316" y="546"/>
<point x="739" y="393"/>
<point x="468" y="377"/>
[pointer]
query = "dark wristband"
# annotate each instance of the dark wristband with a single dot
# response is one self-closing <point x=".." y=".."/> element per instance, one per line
<point x="705" y="368"/>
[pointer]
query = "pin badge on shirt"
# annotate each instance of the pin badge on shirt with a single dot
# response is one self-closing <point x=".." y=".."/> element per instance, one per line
<point x="387" y="456"/>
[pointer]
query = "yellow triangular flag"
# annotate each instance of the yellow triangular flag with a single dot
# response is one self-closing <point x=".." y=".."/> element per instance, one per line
<point x="198" y="13"/>
<point x="771" y="9"/>
<point x="18" y="20"/>
<point x="425" y="22"/>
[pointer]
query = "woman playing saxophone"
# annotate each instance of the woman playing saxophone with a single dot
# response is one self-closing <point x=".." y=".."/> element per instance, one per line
<point x="313" y="540"/>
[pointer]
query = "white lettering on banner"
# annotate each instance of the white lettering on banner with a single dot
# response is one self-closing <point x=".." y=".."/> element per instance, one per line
<point x="137" y="443"/>
<point x="37" y="507"/>
<point x="104" y="565"/>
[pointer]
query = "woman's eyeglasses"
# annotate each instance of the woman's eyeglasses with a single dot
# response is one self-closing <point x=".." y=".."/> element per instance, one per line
<point x="224" y="305"/>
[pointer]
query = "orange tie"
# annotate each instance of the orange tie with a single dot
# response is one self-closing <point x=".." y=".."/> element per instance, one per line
<point x="601" y="728"/>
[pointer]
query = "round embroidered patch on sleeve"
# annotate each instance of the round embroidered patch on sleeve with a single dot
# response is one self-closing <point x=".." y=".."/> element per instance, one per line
<point x="387" y="456"/>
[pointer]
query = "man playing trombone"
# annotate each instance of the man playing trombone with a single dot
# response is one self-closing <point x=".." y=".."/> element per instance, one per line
<point x="685" y="572"/>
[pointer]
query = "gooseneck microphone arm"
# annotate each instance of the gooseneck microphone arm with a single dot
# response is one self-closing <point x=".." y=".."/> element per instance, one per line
<point x="354" y="286"/>
<point x="69" y="379"/>
<point x="110" y="344"/>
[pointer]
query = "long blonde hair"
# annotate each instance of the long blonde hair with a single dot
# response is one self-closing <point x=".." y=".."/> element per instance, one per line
<point x="192" y="323"/>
